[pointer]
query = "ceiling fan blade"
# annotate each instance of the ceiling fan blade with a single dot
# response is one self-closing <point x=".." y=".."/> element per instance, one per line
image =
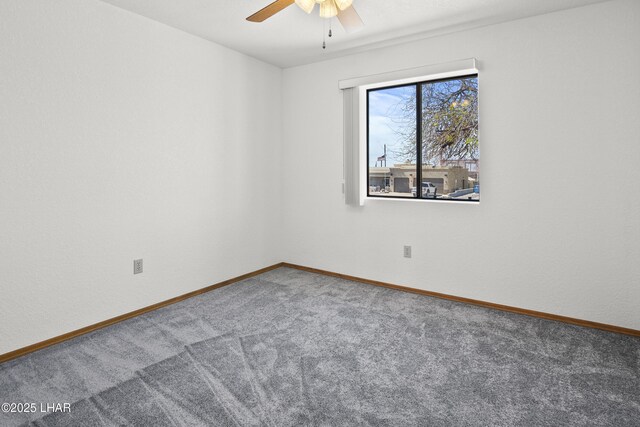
<point x="350" y="20"/>
<point x="270" y="10"/>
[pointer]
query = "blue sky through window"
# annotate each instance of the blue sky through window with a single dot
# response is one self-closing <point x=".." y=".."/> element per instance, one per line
<point x="386" y="119"/>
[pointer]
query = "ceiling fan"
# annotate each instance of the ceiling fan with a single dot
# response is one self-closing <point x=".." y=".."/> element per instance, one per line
<point x="343" y="9"/>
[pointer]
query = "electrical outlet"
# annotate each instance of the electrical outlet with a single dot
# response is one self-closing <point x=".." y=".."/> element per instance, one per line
<point x="407" y="251"/>
<point x="137" y="266"/>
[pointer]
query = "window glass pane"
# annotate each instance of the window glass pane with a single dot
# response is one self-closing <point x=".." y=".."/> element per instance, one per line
<point x="450" y="150"/>
<point x="392" y="142"/>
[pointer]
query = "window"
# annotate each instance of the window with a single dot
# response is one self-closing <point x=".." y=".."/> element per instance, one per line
<point x="422" y="140"/>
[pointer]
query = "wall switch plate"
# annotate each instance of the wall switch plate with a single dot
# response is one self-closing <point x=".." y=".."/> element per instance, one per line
<point x="407" y="251"/>
<point x="137" y="266"/>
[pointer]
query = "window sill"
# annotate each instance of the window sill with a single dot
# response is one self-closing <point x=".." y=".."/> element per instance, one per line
<point x="410" y="199"/>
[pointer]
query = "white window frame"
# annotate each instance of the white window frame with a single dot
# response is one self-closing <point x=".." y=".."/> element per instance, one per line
<point x="354" y="115"/>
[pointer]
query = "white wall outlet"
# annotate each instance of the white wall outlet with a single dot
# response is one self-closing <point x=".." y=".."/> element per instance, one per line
<point x="137" y="266"/>
<point x="407" y="251"/>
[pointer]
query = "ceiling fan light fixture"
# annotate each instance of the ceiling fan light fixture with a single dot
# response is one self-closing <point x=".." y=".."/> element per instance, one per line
<point x="343" y="4"/>
<point x="328" y="9"/>
<point x="306" y="5"/>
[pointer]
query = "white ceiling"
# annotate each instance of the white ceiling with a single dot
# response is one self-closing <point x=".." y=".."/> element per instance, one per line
<point x="292" y="37"/>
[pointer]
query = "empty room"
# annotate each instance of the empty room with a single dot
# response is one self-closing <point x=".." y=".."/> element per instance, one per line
<point x="319" y="213"/>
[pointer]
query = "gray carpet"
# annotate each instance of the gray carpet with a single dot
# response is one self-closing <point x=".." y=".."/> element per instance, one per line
<point x="292" y="348"/>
